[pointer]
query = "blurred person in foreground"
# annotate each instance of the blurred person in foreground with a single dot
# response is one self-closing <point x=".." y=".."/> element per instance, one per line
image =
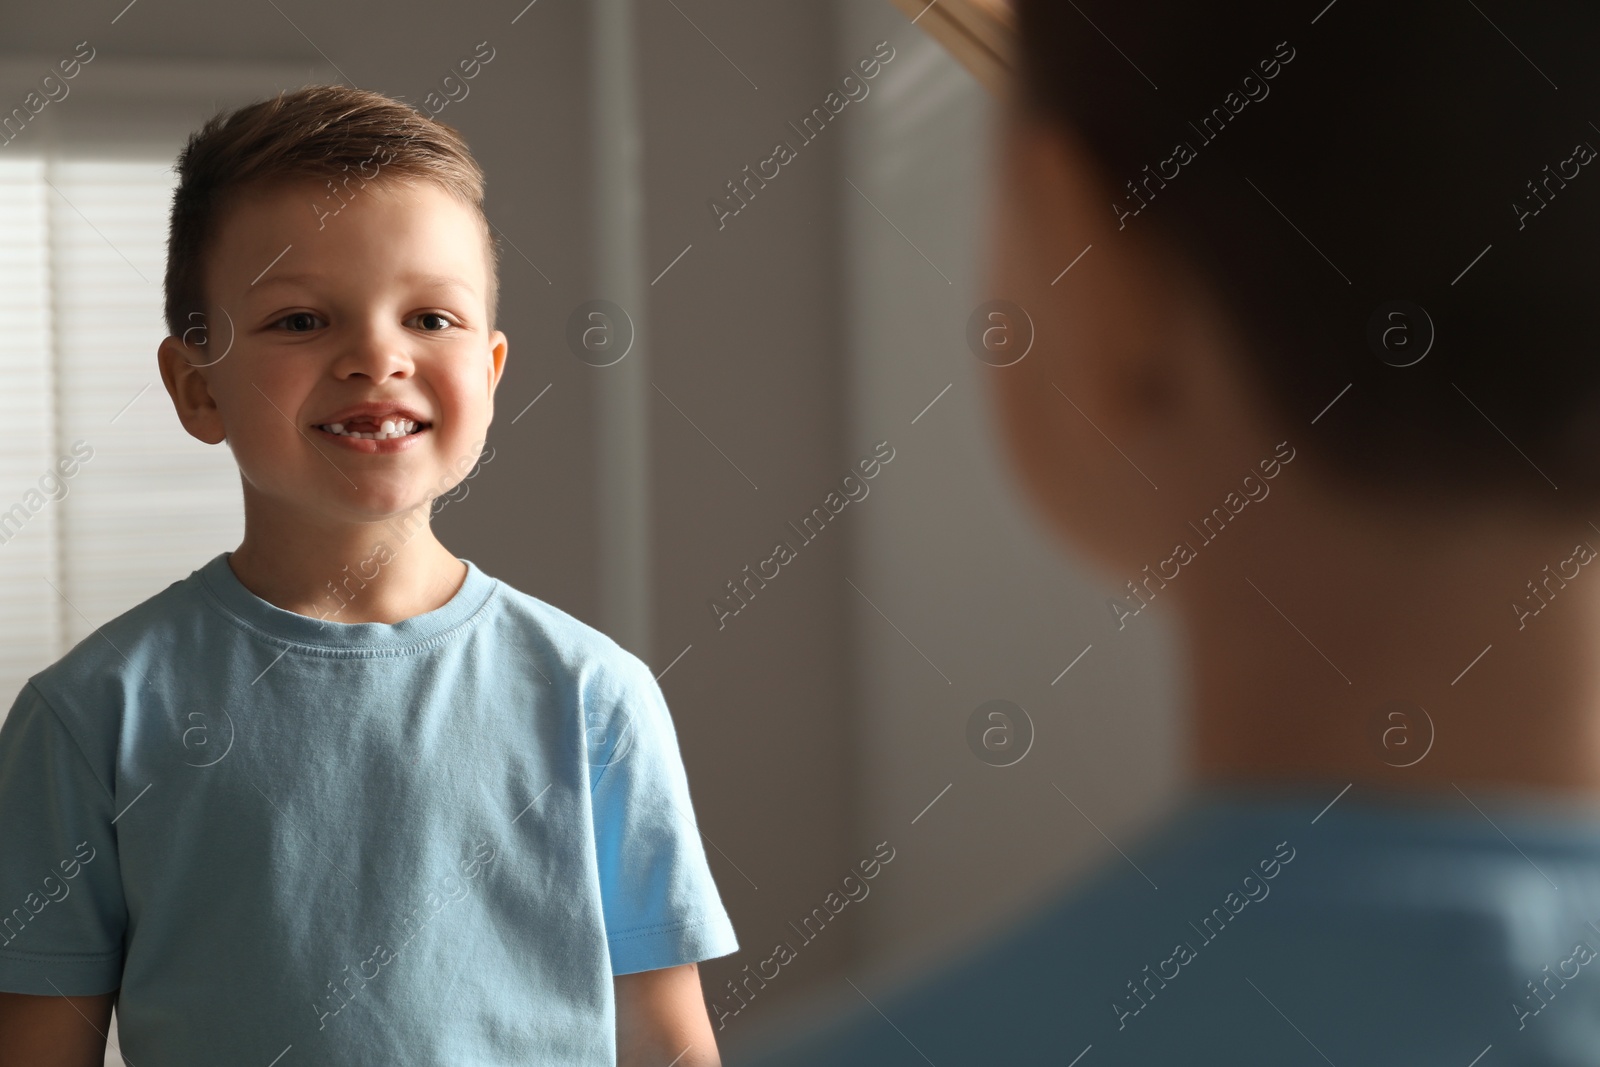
<point x="1337" y="305"/>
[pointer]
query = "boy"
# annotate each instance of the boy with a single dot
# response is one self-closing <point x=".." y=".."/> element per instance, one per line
<point x="1327" y="389"/>
<point x="339" y="797"/>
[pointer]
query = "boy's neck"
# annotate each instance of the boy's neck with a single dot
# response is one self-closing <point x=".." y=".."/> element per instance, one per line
<point x="1376" y="641"/>
<point x="345" y="573"/>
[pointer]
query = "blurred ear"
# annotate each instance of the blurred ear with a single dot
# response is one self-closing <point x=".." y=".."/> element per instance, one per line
<point x="1107" y="303"/>
<point x="183" y="373"/>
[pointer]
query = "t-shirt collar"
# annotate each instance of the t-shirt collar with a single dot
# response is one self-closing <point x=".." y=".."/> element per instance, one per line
<point x="230" y="594"/>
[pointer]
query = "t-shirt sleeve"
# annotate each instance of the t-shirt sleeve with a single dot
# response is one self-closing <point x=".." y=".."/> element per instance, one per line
<point x="660" y="904"/>
<point x="62" y="912"/>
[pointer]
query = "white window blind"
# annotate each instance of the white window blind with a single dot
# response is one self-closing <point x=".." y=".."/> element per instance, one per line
<point x="29" y="626"/>
<point x="84" y="253"/>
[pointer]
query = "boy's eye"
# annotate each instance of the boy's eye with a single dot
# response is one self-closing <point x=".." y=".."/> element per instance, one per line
<point x="299" y="321"/>
<point x="433" y="317"/>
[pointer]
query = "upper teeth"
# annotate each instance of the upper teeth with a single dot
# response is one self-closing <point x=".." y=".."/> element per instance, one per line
<point x="389" y="428"/>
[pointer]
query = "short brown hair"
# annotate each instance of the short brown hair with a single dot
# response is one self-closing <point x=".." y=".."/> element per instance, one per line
<point x="348" y="136"/>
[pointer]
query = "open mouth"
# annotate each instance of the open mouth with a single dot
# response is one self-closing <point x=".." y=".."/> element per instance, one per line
<point x="376" y="429"/>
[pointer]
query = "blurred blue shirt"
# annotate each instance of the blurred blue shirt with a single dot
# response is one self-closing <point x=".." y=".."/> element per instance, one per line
<point x="1261" y="928"/>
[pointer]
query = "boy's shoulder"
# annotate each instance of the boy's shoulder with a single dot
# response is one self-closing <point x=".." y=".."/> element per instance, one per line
<point x="162" y="625"/>
<point x="588" y="656"/>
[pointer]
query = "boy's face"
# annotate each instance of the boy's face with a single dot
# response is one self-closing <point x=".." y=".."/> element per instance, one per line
<point x="382" y="303"/>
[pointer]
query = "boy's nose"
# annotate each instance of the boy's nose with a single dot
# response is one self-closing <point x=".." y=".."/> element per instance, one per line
<point x="376" y="354"/>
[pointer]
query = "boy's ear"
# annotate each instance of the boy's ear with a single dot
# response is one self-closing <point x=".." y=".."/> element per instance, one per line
<point x="1107" y="331"/>
<point x="497" y="358"/>
<point x="191" y="396"/>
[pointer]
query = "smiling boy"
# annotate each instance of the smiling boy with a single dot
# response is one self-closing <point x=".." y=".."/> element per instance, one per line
<point x="450" y="823"/>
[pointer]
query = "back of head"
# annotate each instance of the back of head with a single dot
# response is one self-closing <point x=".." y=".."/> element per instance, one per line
<point x="1360" y="186"/>
<point x="347" y="137"/>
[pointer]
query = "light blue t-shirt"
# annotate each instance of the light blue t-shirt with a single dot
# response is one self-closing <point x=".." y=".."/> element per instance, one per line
<point x="1263" y="929"/>
<point x="297" y="841"/>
